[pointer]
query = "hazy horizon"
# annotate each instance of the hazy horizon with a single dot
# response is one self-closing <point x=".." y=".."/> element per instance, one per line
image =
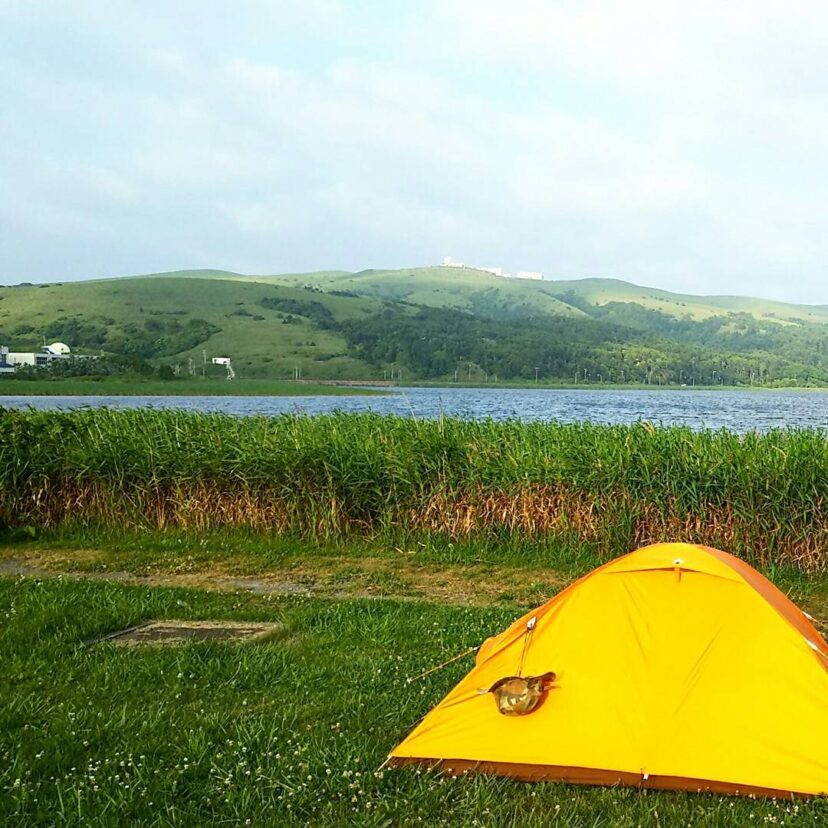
<point x="671" y="145"/>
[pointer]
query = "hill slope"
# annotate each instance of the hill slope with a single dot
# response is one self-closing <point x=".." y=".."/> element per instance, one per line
<point x="606" y="291"/>
<point x="477" y="291"/>
<point x="173" y="318"/>
<point x="465" y="289"/>
<point x="431" y="322"/>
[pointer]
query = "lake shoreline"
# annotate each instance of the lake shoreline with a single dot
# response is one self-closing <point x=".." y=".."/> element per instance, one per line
<point x="608" y="386"/>
<point x="190" y="387"/>
<point x="758" y="410"/>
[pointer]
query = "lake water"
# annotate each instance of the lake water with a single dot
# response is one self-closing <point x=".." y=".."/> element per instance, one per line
<point x="737" y="410"/>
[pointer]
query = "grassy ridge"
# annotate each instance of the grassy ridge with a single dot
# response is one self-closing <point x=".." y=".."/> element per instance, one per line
<point x="608" y="487"/>
<point x="475" y="290"/>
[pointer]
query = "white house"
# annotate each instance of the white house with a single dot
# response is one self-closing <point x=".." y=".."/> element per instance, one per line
<point x="46" y="355"/>
<point x="530" y="274"/>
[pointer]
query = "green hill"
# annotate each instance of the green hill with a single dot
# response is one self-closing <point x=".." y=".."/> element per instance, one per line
<point x="477" y="290"/>
<point x="605" y="291"/>
<point x="173" y="318"/>
<point x="481" y="292"/>
<point x="430" y="322"/>
<point x="467" y="289"/>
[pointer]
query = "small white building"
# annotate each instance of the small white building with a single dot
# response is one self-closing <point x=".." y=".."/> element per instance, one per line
<point x="449" y="262"/>
<point x="227" y="363"/>
<point x="529" y="274"/>
<point x="45" y="356"/>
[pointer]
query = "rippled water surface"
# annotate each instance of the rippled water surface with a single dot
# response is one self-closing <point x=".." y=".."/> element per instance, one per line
<point x="738" y="410"/>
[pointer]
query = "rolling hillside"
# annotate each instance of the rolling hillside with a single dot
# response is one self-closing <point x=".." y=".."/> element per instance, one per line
<point x="476" y="290"/>
<point x="605" y="291"/>
<point x="429" y="322"/>
<point x="173" y="318"/>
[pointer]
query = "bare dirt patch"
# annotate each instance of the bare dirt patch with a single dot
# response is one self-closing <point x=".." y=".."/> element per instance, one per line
<point x="175" y="633"/>
<point x="395" y="577"/>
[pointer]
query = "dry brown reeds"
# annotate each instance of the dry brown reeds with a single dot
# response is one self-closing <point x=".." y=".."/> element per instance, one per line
<point x="613" y="487"/>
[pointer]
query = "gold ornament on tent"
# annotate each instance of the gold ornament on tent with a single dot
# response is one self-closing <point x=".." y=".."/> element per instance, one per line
<point x="518" y="695"/>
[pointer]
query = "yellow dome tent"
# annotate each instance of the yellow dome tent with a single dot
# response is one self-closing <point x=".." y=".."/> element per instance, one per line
<point x="676" y="666"/>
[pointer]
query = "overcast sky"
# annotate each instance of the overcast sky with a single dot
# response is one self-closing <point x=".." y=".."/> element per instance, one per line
<point x="678" y="144"/>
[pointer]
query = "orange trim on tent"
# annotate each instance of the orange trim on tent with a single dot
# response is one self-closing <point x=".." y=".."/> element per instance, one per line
<point x="590" y="776"/>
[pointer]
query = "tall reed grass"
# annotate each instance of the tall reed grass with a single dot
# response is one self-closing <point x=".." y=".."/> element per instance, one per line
<point x="759" y="495"/>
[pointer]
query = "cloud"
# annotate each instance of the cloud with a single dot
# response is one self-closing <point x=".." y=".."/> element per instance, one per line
<point x="676" y="144"/>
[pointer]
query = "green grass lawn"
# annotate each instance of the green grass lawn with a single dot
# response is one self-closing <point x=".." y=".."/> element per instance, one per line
<point x="114" y="386"/>
<point x="290" y="731"/>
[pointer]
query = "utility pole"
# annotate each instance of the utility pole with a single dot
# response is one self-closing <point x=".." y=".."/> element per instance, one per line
<point x="536" y="375"/>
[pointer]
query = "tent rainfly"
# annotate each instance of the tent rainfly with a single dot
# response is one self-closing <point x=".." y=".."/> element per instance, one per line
<point x="676" y="666"/>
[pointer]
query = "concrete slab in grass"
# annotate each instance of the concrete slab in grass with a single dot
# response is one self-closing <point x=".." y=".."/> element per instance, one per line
<point x="172" y="633"/>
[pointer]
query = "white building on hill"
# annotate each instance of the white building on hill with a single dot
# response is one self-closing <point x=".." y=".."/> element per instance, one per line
<point x="45" y="356"/>
<point x="449" y="262"/>
<point x="495" y="271"/>
<point x="227" y="363"/>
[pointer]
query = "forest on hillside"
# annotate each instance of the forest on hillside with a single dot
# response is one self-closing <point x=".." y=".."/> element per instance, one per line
<point x="436" y="343"/>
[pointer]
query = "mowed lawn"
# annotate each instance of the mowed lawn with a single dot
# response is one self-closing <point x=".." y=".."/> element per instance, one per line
<point x="288" y="731"/>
